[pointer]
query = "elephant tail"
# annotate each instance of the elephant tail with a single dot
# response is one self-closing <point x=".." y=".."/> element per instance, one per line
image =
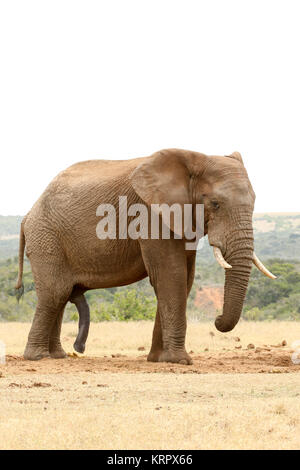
<point x="20" y="286"/>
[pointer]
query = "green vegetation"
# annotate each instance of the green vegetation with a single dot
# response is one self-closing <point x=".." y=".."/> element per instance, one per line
<point x="135" y="302"/>
<point x="278" y="247"/>
<point x="265" y="299"/>
<point x="274" y="300"/>
<point x="126" y="304"/>
<point x="284" y="244"/>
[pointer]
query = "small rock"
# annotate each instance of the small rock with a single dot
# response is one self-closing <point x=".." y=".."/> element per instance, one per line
<point x="284" y="343"/>
<point x="211" y="333"/>
<point x="141" y="348"/>
<point x="84" y="382"/>
<point x="191" y="352"/>
<point x="41" y="384"/>
<point x="116" y="355"/>
<point x="250" y="346"/>
<point x="206" y="349"/>
<point x="237" y="339"/>
<point x="238" y="347"/>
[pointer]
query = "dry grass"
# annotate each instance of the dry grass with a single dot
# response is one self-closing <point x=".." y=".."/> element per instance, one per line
<point x="125" y="338"/>
<point x="105" y="410"/>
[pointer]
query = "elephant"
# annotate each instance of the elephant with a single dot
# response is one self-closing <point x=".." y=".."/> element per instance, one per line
<point x="67" y="258"/>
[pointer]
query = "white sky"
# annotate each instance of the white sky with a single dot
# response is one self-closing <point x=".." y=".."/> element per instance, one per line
<point x="120" y="79"/>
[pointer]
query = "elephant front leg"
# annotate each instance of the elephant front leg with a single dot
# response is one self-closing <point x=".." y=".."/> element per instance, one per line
<point x="164" y="350"/>
<point x="166" y="266"/>
<point x="156" y="352"/>
<point x="172" y="316"/>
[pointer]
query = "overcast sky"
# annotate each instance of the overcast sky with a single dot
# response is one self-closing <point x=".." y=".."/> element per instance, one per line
<point x="120" y="79"/>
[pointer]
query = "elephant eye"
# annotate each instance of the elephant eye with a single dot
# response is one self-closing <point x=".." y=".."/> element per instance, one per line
<point x="215" y="204"/>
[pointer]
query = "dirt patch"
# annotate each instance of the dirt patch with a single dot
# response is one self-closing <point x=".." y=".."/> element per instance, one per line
<point x="228" y="399"/>
<point x="209" y="299"/>
<point x="225" y="362"/>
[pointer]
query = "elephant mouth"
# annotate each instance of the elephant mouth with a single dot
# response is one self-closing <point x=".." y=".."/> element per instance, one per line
<point x="220" y="258"/>
<point x="255" y="260"/>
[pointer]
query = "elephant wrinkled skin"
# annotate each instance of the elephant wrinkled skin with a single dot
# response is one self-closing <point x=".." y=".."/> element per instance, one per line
<point x="68" y="259"/>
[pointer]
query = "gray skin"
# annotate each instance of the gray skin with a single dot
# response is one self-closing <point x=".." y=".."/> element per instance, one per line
<point x="68" y="259"/>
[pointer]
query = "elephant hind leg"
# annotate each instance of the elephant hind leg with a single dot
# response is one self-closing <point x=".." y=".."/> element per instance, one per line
<point x="43" y="337"/>
<point x="82" y="306"/>
<point x="55" y="348"/>
<point x="38" y="344"/>
<point x="157" y="341"/>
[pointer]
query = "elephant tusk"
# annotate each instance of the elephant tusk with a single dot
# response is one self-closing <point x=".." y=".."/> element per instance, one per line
<point x="262" y="268"/>
<point x="220" y="259"/>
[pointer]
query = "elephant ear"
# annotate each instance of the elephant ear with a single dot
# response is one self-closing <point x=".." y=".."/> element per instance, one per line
<point x="163" y="178"/>
<point x="236" y="156"/>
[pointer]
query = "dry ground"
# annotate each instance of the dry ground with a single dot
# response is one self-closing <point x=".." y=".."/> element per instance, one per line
<point x="231" y="397"/>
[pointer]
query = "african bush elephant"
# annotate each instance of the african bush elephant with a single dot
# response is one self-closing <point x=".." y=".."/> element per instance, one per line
<point x="68" y="259"/>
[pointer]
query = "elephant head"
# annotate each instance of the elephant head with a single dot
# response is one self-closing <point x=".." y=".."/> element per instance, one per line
<point x="222" y="185"/>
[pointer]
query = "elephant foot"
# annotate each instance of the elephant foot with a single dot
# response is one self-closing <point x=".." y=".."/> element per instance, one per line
<point x="57" y="352"/>
<point x="35" y="353"/>
<point x="178" y="357"/>
<point x="153" y="356"/>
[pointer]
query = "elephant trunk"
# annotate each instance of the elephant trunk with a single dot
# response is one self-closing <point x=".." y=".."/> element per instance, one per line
<point x="239" y="254"/>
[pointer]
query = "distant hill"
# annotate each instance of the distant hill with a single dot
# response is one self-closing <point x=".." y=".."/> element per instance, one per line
<point x="278" y="221"/>
<point x="10" y="225"/>
<point x="9" y="235"/>
<point x="277" y="235"/>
